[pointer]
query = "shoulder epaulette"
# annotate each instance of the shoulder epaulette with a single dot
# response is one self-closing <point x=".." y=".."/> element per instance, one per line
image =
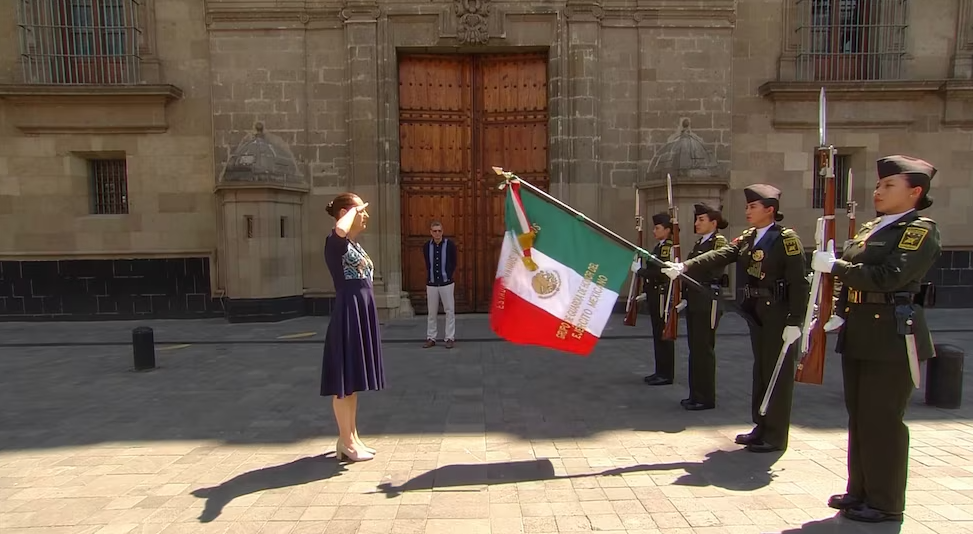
<point x="788" y="232"/>
<point x="926" y="220"/>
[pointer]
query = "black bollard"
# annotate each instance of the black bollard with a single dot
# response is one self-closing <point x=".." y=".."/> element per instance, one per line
<point x="944" y="377"/>
<point x="143" y="347"/>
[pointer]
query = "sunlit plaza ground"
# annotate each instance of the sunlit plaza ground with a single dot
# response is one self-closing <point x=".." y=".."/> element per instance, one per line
<point x="229" y="434"/>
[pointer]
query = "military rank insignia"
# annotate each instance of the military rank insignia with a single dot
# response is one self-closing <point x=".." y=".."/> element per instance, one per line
<point x="665" y="252"/>
<point x="791" y="246"/>
<point x="758" y="255"/>
<point x="912" y="238"/>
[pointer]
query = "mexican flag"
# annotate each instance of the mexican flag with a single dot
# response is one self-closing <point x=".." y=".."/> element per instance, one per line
<point x="558" y="278"/>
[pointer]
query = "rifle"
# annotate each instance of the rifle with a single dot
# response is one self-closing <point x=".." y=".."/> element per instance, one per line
<point x="810" y="370"/>
<point x="671" y="316"/>
<point x="635" y="286"/>
<point x="850" y="206"/>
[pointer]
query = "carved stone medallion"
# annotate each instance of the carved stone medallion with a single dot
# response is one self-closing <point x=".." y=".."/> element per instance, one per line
<point x="472" y="21"/>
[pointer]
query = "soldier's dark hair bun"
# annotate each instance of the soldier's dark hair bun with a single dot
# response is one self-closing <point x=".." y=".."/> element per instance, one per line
<point x="778" y="217"/>
<point x="722" y="225"/>
<point x="924" y="202"/>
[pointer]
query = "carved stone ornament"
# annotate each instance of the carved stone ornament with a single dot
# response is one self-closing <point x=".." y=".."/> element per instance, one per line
<point x="472" y="21"/>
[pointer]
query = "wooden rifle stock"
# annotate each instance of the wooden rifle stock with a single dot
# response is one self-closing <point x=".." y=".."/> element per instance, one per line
<point x="671" y="329"/>
<point x="810" y="369"/>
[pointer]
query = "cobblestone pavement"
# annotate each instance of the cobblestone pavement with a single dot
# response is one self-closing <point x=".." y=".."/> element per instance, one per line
<point x="488" y="437"/>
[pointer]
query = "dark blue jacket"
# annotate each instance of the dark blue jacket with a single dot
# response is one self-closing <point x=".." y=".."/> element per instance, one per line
<point x="440" y="262"/>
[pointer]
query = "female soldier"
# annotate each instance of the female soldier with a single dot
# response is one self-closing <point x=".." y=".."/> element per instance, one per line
<point x="884" y="335"/>
<point x="703" y="313"/>
<point x="655" y="288"/>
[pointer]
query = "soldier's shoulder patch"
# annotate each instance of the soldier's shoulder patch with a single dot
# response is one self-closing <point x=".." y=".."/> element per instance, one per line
<point x="792" y="247"/>
<point x="666" y="252"/>
<point x="913" y="237"/>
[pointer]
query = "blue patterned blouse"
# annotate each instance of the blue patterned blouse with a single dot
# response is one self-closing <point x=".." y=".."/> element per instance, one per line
<point x="347" y="259"/>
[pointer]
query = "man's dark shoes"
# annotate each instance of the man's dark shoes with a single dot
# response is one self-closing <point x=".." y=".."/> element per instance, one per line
<point x="745" y="439"/>
<point x="762" y="446"/>
<point x="697" y="406"/>
<point x="840" y="502"/>
<point x="656" y="380"/>
<point x="869" y="515"/>
<point x="429" y="343"/>
<point x="684" y="402"/>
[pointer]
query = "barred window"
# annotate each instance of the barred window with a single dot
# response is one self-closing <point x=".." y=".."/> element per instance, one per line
<point x="75" y="42"/>
<point x="841" y="166"/>
<point x="851" y="40"/>
<point x="109" y="186"/>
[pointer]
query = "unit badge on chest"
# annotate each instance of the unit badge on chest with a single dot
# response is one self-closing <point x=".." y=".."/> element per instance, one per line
<point x="758" y="255"/>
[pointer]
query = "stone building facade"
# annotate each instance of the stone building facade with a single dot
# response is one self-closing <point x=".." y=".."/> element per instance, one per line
<point x="174" y="158"/>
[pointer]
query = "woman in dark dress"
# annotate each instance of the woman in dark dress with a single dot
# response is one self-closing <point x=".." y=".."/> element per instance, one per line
<point x="353" y="345"/>
<point x="883" y="335"/>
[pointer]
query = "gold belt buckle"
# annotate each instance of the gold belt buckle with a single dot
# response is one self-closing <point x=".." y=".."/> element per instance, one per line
<point x="854" y="296"/>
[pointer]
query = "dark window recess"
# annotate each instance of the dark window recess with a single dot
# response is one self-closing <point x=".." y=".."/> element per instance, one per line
<point x="109" y="186"/>
<point x="249" y="223"/>
<point x="283" y="227"/>
<point x="841" y="166"/>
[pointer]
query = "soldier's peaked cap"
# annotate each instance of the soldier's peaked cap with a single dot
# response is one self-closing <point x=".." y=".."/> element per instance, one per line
<point x="707" y="207"/>
<point x="662" y="219"/>
<point x="892" y="165"/>
<point x="714" y="210"/>
<point x="756" y="192"/>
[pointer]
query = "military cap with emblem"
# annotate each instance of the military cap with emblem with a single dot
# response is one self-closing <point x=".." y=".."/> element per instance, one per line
<point x="714" y="211"/>
<point x="662" y="219"/>
<point x="920" y="173"/>
<point x="767" y="195"/>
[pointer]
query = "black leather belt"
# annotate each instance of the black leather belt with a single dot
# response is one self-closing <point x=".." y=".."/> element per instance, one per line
<point x="870" y="297"/>
<point x="754" y="292"/>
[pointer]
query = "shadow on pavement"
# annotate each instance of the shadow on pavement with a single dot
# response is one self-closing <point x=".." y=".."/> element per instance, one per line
<point x="737" y="470"/>
<point x="840" y="525"/>
<point x="296" y="473"/>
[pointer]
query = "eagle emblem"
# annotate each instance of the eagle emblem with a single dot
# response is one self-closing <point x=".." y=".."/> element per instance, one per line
<point x="546" y="283"/>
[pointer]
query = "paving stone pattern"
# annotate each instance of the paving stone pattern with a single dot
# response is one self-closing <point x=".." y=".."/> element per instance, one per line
<point x="488" y="437"/>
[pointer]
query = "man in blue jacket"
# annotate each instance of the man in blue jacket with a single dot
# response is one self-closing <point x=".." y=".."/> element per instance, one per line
<point x="439" y="254"/>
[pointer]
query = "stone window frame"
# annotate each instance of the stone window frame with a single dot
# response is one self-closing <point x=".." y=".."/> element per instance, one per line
<point x="880" y="54"/>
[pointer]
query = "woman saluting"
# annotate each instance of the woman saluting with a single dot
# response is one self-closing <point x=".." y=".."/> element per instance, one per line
<point x="881" y="270"/>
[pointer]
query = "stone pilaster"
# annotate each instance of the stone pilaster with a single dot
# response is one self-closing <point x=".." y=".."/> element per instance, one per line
<point x="583" y="100"/>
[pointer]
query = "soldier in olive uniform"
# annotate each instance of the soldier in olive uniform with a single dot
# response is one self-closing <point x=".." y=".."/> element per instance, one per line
<point x="881" y="270"/>
<point x="702" y="312"/>
<point x="656" y="288"/>
<point x="770" y="262"/>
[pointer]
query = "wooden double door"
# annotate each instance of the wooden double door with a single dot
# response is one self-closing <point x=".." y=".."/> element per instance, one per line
<point x="459" y="116"/>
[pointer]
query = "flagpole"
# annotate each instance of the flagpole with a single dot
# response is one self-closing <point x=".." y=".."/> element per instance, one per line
<point x="621" y="240"/>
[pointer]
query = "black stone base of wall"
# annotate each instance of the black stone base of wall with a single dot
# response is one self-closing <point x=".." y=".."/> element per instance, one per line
<point x="131" y="289"/>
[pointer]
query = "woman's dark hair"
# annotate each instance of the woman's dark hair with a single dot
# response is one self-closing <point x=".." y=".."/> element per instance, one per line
<point x="920" y="180"/>
<point x="340" y="202"/>
<point x="721" y="223"/>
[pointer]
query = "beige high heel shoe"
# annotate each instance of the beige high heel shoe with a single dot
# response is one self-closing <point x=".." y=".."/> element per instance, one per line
<point x="344" y="453"/>
<point x="366" y="448"/>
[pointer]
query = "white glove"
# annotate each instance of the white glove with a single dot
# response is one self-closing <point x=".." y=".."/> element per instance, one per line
<point x="823" y="260"/>
<point x="673" y="270"/>
<point x="791" y="334"/>
<point x="681" y="306"/>
<point x="833" y="323"/>
<point x="636" y="265"/>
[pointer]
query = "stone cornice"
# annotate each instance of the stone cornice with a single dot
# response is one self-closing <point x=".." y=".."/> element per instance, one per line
<point x="39" y="109"/>
<point x="858" y="91"/>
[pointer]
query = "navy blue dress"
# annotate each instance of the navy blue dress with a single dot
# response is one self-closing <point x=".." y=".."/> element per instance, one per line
<point x="353" y="345"/>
